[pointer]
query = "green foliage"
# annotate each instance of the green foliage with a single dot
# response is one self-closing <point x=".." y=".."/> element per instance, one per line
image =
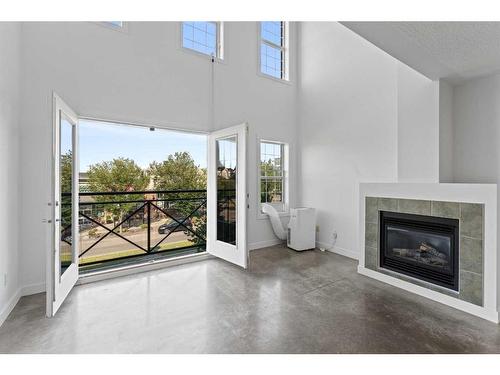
<point x="118" y="175"/>
<point x="66" y="171"/>
<point x="178" y="172"/>
<point x="66" y="178"/>
<point x="271" y="188"/>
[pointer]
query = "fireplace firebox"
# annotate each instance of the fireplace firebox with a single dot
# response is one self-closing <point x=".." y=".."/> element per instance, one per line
<point x="423" y="247"/>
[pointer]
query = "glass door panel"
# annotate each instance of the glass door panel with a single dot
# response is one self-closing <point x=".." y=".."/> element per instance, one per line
<point x="226" y="159"/>
<point x="226" y="195"/>
<point x="62" y="266"/>
<point x="66" y="195"/>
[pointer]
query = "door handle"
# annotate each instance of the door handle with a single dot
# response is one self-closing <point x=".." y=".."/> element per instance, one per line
<point x="47" y="221"/>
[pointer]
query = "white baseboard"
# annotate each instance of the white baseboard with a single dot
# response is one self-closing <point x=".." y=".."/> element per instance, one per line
<point x="338" y="250"/>
<point x="262" y="244"/>
<point x="433" y="295"/>
<point x="11" y="303"/>
<point x="21" y="292"/>
<point x="28" y="290"/>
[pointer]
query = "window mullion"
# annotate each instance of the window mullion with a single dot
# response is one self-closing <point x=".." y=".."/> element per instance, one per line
<point x="202" y="40"/>
<point x="276" y="54"/>
<point x="271" y="44"/>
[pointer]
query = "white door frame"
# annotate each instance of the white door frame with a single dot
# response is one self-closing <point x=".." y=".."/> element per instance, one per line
<point x="237" y="254"/>
<point x="58" y="286"/>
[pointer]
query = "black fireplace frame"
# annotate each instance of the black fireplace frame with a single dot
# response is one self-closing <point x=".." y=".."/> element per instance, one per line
<point x="423" y="272"/>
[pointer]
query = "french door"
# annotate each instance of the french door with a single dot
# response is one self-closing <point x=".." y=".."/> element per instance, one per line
<point x="62" y="267"/>
<point x="226" y="201"/>
<point x="227" y="195"/>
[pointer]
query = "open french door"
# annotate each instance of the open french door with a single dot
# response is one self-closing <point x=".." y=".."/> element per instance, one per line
<point x="62" y="266"/>
<point x="227" y="195"/>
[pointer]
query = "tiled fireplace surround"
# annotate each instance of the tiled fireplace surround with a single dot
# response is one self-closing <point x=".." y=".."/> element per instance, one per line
<point x="474" y="205"/>
<point x="471" y="249"/>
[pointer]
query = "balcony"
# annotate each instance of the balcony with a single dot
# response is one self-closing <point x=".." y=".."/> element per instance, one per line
<point x="122" y="228"/>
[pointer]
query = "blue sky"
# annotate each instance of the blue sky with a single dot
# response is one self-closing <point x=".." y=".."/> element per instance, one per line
<point x="101" y="141"/>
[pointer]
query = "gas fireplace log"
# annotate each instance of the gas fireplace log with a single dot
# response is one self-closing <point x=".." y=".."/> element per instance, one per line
<point x="424" y="247"/>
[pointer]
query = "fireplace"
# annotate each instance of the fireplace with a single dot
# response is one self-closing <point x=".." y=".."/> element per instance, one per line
<point x="423" y="247"/>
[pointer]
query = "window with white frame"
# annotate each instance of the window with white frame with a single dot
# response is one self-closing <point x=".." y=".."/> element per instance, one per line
<point x="272" y="177"/>
<point x="117" y="24"/>
<point x="114" y="25"/>
<point x="273" y="49"/>
<point x="203" y="37"/>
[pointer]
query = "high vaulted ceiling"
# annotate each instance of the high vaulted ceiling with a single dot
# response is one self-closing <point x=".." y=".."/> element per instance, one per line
<point x="455" y="51"/>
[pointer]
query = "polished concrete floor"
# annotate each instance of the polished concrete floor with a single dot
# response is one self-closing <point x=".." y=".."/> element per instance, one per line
<point x="287" y="302"/>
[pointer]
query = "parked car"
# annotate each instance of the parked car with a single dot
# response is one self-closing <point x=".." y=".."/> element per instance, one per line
<point x="85" y="223"/>
<point x="174" y="226"/>
<point x="66" y="235"/>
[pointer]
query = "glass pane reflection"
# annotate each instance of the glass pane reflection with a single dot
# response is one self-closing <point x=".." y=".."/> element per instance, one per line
<point x="226" y="159"/>
<point x="66" y="184"/>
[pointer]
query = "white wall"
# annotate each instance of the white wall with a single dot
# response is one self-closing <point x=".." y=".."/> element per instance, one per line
<point x="9" y="166"/>
<point x="476" y="131"/>
<point x="145" y="77"/>
<point x="418" y="127"/>
<point x="476" y="126"/>
<point x="360" y="109"/>
<point x="446" y="134"/>
<point x="347" y="125"/>
<point x="357" y="110"/>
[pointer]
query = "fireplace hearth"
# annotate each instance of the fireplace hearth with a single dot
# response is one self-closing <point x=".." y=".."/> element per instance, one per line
<point x="423" y="247"/>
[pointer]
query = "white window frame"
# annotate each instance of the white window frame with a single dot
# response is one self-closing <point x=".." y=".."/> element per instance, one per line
<point x="109" y="25"/>
<point x="283" y="207"/>
<point x="284" y="48"/>
<point x="219" y="40"/>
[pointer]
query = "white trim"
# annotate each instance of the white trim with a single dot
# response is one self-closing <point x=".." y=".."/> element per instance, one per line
<point x="284" y="211"/>
<point x="219" y="43"/>
<point x="238" y="253"/>
<point x="279" y="80"/>
<point x="11" y="303"/>
<point x="142" y="267"/>
<point x="59" y="285"/>
<point x="450" y="192"/>
<point x="444" y="299"/>
<point x="31" y="289"/>
<point x="263" y="244"/>
<point x="145" y="125"/>
<point x="338" y="250"/>
<point x="286" y="49"/>
<point x="110" y="26"/>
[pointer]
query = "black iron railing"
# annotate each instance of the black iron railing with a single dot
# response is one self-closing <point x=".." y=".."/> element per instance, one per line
<point x="123" y="225"/>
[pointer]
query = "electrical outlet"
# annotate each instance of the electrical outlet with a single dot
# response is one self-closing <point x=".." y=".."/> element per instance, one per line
<point x="317" y="228"/>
